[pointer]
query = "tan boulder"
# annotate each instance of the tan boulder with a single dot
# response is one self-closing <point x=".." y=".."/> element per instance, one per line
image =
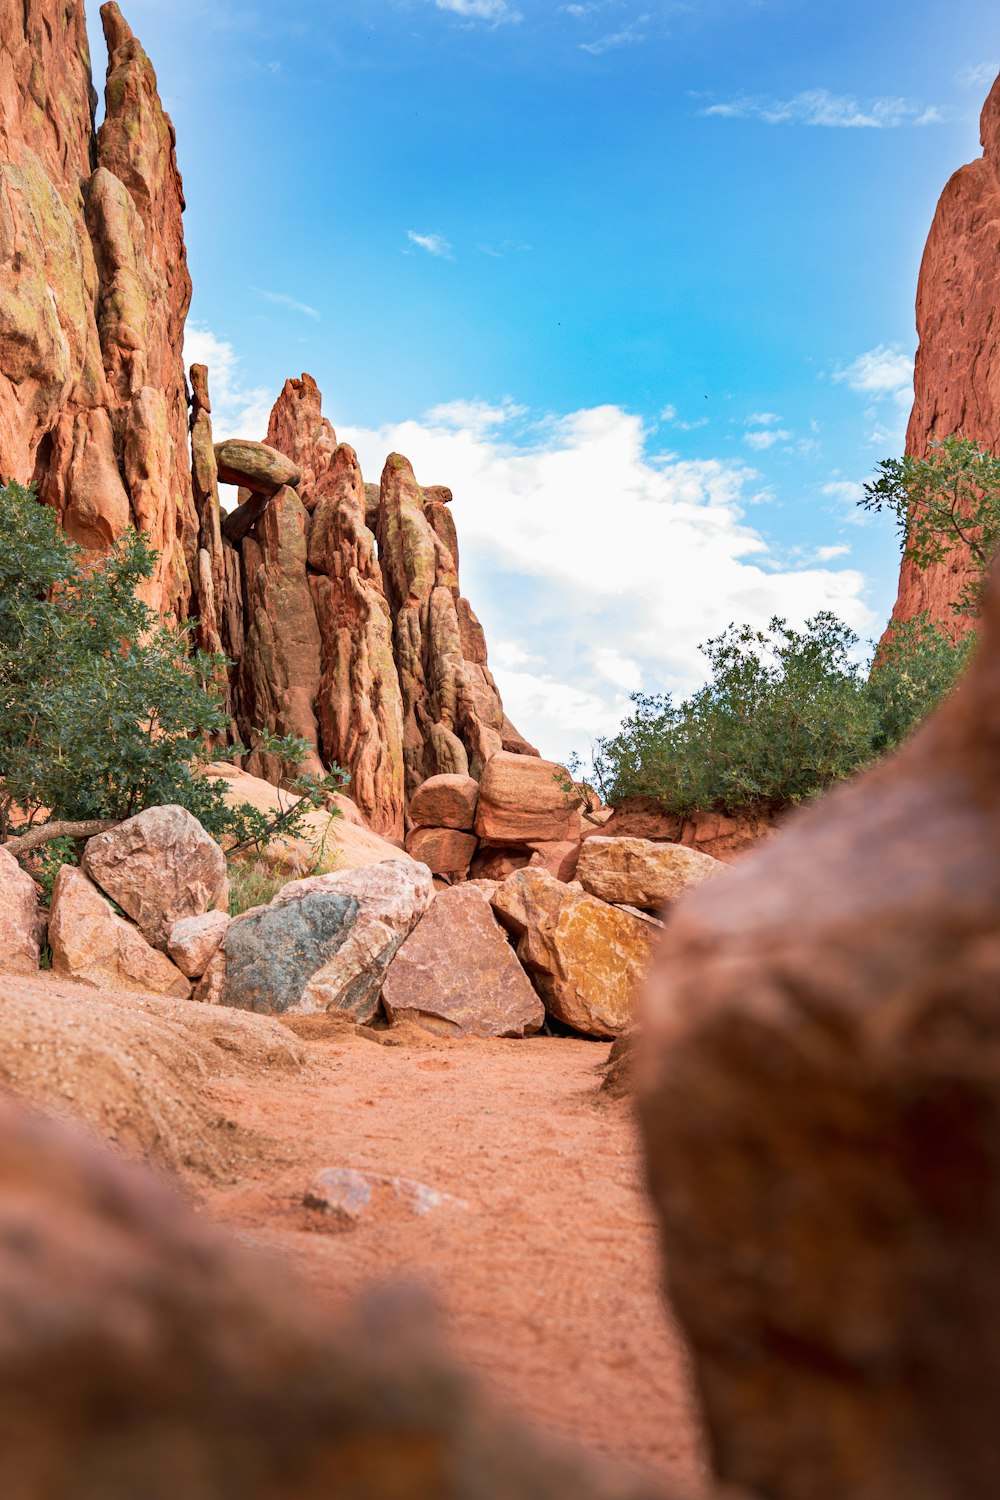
<point x="325" y="844"/>
<point x="194" y="941"/>
<point x="158" y="867"/>
<point x="637" y="872"/>
<point x="526" y="800"/>
<point x="559" y="859"/>
<point x="586" y="958"/>
<point x="445" y="851"/>
<point x="18" y="918"/>
<point x="211" y="987"/>
<point x="90" y="943"/>
<point x="255" y="466"/>
<point x="456" y="974"/>
<point x="445" y="802"/>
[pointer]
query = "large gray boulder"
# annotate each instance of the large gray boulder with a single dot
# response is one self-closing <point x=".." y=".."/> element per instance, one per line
<point x="272" y="952"/>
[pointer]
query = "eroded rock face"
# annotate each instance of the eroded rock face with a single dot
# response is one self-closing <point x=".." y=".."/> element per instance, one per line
<point x="957" y="378"/>
<point x="194" y="942"/>
<point x="159" y="866"/>
<point x="94" y="282"/>
<point x="586" y="958"/>
<point x="820" y="1075"/>
<point x="18" y="918"/>
<point x="223" y="1382"/>
<point x="457" y="975"/>
<point x="445" y="851"/>
<point x="638" y="872"/>
<point x="445" y="802"/>
<point x="257" y="466"/>
<point x="92" y="944"/>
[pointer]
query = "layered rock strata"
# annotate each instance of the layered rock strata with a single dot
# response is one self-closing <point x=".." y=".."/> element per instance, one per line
<point x="957" y="377"/>
<point x="95" y="287"/>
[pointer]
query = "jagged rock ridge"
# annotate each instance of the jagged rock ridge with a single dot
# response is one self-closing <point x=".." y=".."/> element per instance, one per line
<point x="957" y="377"/>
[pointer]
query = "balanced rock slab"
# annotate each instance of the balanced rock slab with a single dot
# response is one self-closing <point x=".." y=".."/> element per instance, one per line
<point x="445" y="802"/>
<point x="92" y="944"/>
<point x="272" y="952"/>
<point x="445" y="851"/>
<point x="526" y="800"/>
<point x="255" y="466"/>
<point x="392" y="897"/>
<point x="158" y="867"/>
<point x="586" y="958"/>
<point x="194" y="941"/>
<point x="457" y="975"/>
<point x="638" y="872"/>
<point x="18" y="918"/>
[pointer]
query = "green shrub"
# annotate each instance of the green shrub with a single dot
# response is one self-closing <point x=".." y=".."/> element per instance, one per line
<point x="785" y="714"/>
<point x="104" y="710"/>
<point x="253" y="884"/>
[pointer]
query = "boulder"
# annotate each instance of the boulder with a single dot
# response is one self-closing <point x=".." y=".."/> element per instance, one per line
<point x="497" y="864"/>
<point x="559" y="859"/>
<point x="392" y="897"/>
<point x="18" y="918"/>
<point x="194" y="941"/>
<point x="445" y="802"/>
<point x="446" y="851"/>
<point x="820" y="1082"/>
<point x="457" y="975"/>
<point x="272" y="952"/>
<point x="637" y="872"/>
<point x="586" y="958"/>
<point x="212" y="985"/>
<point x="92" y="944"/>
<point x="158" y="867"/>
<point x="525" y="800"/>
<point x="255" y="466"/>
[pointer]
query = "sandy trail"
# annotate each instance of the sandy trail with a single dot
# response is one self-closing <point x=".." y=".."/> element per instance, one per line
<point x="548" y="1278"/>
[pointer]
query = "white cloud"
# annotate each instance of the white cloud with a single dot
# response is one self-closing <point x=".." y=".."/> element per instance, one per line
<point x="766" y="438"/>
<point x="763" y="419"/>
<point x="880" y="372"/>
<point x="978" y="76"/>
<point x="627" y="38"/>
<point x="827" y="554"/>
<point x="850" y="491"/>
<point x="237" y="410"/>
<point x="434" y="244"/>
<point x="598" y="564"/>
<point x="669" y="414"/>
<point x="820" y="107"/>
<point x="281" y="299"/>
<point x="496" y="11"/>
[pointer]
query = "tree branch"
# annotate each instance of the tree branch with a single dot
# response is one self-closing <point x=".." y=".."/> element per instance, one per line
<point x="48" y="832"/>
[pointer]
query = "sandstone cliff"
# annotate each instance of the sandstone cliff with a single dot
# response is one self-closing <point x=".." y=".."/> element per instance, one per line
<point x="95" y="289"/>
<point x="957" y="379"/>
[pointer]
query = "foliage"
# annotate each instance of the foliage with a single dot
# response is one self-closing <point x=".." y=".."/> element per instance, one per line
<point x="951" y="497"/>
<point x="253" y="884"/>
<point x="49" y="860"/>
<point x="104" y="710"/>
<point x="785" y="714"/>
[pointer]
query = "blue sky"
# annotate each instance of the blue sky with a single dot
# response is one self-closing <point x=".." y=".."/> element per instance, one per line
<point x="636" y="280"/>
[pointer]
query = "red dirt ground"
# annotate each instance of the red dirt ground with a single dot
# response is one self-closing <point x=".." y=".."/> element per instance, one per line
<point x="548" y="1277"/>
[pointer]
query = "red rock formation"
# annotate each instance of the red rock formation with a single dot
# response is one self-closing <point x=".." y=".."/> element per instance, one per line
<point x="820" y="1073"/>
<point x="95" y="289"/>
<point x="957" y="379"/>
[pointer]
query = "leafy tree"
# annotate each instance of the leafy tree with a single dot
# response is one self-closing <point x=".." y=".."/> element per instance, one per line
<point x="950" y="498"/>
<point x="912" y="671"/>
<point x="104" y="710"/>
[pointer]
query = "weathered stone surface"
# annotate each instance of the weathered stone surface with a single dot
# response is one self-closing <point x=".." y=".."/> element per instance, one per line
<point x="497" y="864"/>
<point x="392" y="897"/>
<point x="445" y="802"/>
<point x="452" y="714"/>
<point x="211" y="987"/>
<point x="18" y="918"/>
<point x="456" y="974"/>
<point x="586" y="958"/>
<point x="957" y="377"/>
<point x="194" y="941"/>
<point x="345" y="1195"/>
<point x="255" y="466"/>
<point x="358" y="705"/>
<point x="724" y="836"/>
<point x="525" y="800"/>
<point x="272" y="952"/>
<point x="821" y="1090"/>
<point x="637" y="872"/>
<point x="90" y="943"/>
<point x="559" y="859"/>
<point x="325" y="844"/>
<point x="224" y="1381"/>
<point x="95" y="289"/>
<point x="445" y="851"/>
<point x="158" y="867"/>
